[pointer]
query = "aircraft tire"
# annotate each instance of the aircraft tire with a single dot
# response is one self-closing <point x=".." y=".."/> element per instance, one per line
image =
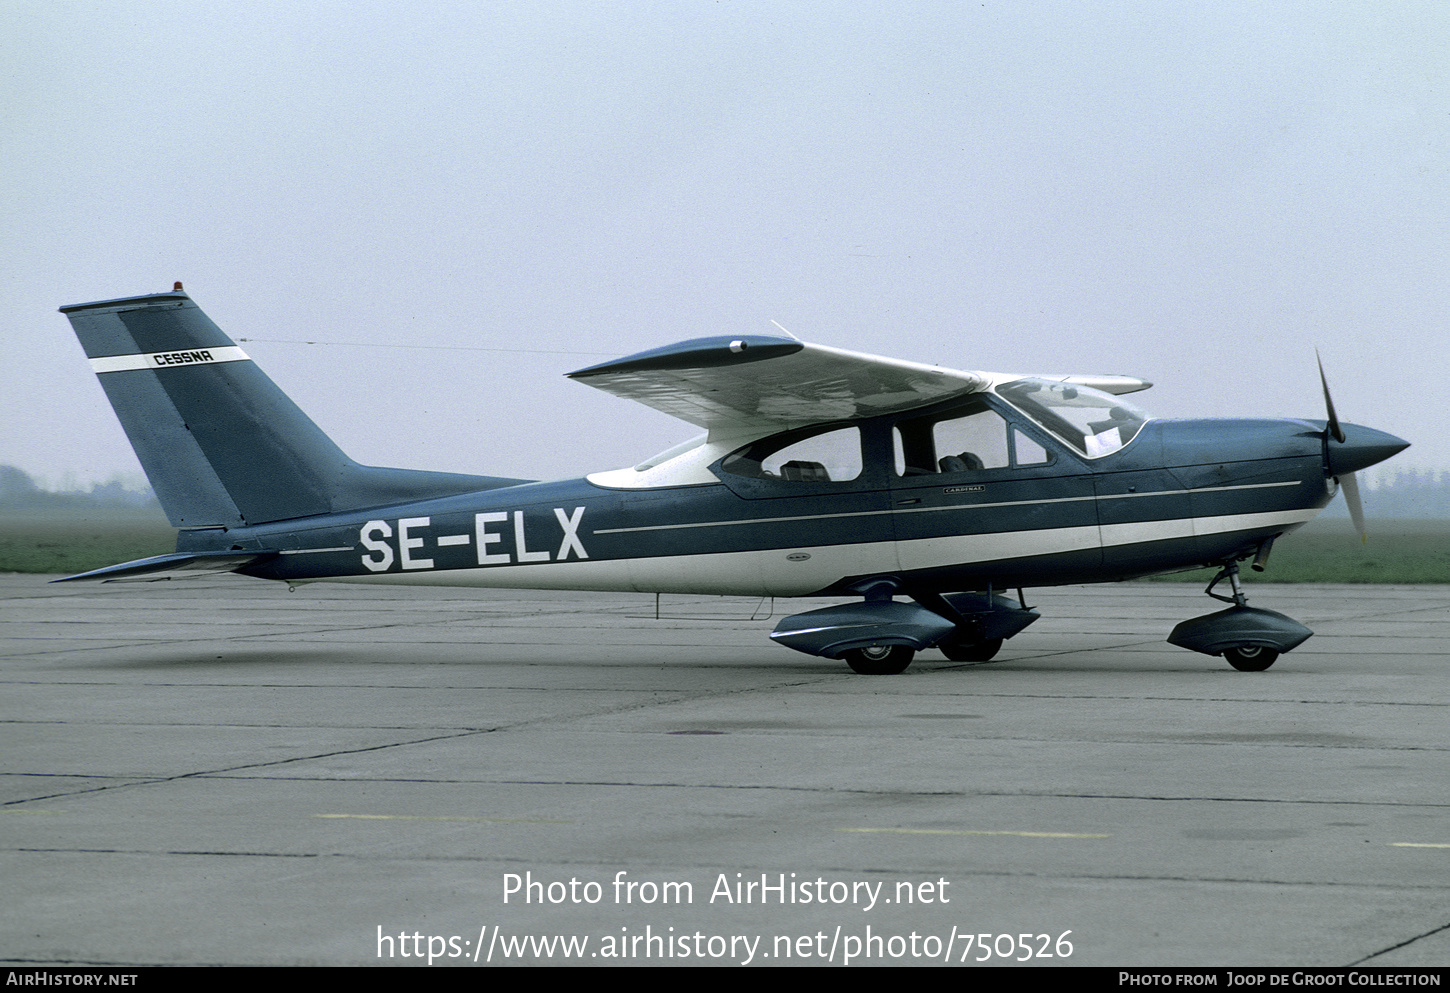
<point x="879" y="660"/>
<point x="978" y="651"/>
<point x="1251" y="658"/>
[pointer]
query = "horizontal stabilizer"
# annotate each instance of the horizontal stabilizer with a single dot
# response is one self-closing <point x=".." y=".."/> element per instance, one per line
<point x="177" y="565"/>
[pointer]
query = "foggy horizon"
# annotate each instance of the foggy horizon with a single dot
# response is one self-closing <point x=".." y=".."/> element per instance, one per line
<point x="472" y="201"/>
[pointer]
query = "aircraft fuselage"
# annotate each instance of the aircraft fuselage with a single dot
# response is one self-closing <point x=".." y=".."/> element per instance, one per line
<point x="1181" y="494"/>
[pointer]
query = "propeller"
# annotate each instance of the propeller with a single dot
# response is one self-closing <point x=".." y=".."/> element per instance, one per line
<point x="1350" y="487"/>
<point x="1347" y="483"/>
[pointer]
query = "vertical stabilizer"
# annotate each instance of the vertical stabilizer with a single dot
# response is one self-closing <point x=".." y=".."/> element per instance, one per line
<point x="220" y="443"/>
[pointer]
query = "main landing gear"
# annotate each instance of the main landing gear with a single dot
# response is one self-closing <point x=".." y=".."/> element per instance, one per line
<point x="971" y="651"/>
<point x="1250" y="638"/>
<point x="888" y="660"/>
<point x="880" y="637"/>
<point x="879" y="660"/>
<point x="984" y="622"/>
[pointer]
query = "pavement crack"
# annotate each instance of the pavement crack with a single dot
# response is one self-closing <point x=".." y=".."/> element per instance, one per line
<point x="1402" y="944"/>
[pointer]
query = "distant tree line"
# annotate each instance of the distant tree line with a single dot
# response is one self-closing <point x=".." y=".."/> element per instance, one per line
<point x="1411" y="494"/>
<point x="18" y="491"/>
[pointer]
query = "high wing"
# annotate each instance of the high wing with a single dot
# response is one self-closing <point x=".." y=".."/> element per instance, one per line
<point x="733" y="385"/>
<point x="759" y="381"/>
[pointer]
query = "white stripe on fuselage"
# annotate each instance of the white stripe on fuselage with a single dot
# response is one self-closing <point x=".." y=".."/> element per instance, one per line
<point x="929" y="553"/>
<point x="781" y="571"/>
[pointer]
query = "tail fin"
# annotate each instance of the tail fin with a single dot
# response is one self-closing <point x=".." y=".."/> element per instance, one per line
<point x="221" y="444"/>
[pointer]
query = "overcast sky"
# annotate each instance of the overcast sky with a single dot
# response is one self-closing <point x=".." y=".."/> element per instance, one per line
<point x="460" y="202"/>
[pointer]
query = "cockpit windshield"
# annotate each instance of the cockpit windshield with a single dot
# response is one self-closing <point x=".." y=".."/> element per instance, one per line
<point x="1091" y="421"/>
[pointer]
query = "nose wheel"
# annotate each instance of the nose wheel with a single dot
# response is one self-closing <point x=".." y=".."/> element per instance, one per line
<point x="1250" y="658"/>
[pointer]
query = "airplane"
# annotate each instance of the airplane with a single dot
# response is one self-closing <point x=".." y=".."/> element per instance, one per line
<point x="924" y="494"/>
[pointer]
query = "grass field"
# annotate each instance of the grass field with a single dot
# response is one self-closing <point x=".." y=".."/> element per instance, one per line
<point x="70" y="542"/>
<point x="1328" y="551"/>
<point x="1323" y="551"/>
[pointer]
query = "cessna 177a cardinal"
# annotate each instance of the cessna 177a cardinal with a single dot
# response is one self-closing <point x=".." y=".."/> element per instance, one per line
<point x="920" y="492"/>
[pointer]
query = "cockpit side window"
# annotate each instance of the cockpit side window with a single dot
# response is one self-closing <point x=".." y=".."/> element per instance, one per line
<point x="825" y="456"/>
<point x="959" y="441"/>
<point x="1026" y="451"/>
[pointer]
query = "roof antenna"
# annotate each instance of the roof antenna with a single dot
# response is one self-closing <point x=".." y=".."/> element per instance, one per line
<point x="787" y="333"/>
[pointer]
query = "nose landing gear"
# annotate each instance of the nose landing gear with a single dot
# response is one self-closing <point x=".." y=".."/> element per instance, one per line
<point x="1250" y="638"/>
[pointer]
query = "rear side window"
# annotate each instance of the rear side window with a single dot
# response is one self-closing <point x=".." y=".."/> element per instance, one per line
<point x="825" y="456"/>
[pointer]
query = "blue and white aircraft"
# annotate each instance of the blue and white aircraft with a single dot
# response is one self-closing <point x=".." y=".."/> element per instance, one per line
<point x="920" y="492"/>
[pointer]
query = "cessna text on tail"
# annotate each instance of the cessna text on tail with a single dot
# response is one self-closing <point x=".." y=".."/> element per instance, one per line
<point x="920" y="493"/>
